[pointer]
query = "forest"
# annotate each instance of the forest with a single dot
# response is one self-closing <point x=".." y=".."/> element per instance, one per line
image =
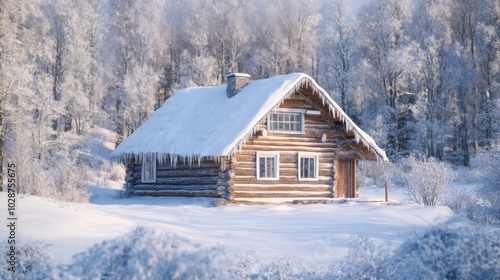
<point x="422" y="77"/>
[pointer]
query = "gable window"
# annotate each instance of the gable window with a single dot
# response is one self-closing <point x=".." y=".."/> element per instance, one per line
<point x="286" y="121"/>
<point x="148" y="168"/>
<point x="308" y="166"/>
<point x="267" y="165"/>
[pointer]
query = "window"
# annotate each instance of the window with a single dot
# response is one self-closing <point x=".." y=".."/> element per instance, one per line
<point x="308" y="166"/>
<point x="148" y="168"/>
<point x="267" y="165"/>
<point x="286" y="121"/>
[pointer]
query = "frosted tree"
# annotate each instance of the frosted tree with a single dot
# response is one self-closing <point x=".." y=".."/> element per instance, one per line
<point x="488" y="69"/>
<point x="298" y="21"/>
<point x="285" y="36"/>
<point x="338" y="52"/>
<point x="82" y="86"/>
<point x="433" y="36"/>
<point x="389" y="62"/>
<point x="133" y="37"/>
<point x="226" y="35"/>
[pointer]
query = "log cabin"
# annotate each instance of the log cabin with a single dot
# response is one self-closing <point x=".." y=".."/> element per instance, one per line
<point x="277" y="140"/>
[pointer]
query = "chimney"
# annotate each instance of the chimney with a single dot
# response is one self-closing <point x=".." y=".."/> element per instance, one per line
<point x="235" y="81"/>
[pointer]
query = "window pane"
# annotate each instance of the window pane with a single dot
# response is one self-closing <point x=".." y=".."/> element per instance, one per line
<point x="148" y="168"/>
<point x="262" y="167"/>
<point x="270" y="167"/>
<point x="285" y="122"/>
<point x="308" y="167"/>
<point x="302" y="168"/>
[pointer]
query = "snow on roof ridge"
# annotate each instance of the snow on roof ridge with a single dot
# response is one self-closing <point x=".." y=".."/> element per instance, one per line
<point x="280" y="88"/>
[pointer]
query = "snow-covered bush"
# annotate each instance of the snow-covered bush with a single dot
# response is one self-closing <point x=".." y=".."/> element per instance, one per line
<point x="487" y="167"/>
<point x="32" y="261"/>
<point x="364" y="260"/>
<point x="285" y="268"/>
<point x="453" y="250"/>
<point x="425" y="180"/>
<point x="148" y="254"/>
<point x="459" y="200"/>
<point x="70" y="182"/>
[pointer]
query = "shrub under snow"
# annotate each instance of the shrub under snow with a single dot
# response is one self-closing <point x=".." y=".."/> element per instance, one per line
<point x="147" y="254"/>
<point x="452" y="250"/>
<point x="32" y="262"/>
<point x="425" y="180"/>
<point x="487" y="165"/>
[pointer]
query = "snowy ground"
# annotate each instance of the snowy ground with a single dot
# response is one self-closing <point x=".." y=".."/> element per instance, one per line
<point x="316" y="233"/>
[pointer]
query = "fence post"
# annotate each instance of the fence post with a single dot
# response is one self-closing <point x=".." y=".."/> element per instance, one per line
<point x="386" y="191"/>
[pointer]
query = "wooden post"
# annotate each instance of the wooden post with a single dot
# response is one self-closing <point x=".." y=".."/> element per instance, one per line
<point x="386" y="191"/>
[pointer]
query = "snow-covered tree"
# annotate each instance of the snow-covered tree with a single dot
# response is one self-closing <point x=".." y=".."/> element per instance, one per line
<point x="338" y="53"/>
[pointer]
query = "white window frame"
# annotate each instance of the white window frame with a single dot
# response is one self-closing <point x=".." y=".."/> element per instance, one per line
<point x="288" y="110"/>
<point x="276" y="156"/>
<point x="153" y="171"/>
<point x="316" y="164"/>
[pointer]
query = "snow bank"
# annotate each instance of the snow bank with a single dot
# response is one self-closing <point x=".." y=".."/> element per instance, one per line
<point x="316" y="233"/>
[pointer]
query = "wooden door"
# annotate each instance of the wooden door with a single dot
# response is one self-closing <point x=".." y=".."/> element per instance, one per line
<point x="346" y="178"/>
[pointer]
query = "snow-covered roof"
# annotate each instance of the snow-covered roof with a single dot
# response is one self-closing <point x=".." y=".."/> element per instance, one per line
<point x="203" y="122"/>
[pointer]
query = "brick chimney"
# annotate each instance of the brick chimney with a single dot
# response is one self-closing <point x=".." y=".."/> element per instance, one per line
<point x="235" y="81"/>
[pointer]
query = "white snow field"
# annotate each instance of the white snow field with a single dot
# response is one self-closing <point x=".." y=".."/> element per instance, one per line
<point x="316" y="233"/>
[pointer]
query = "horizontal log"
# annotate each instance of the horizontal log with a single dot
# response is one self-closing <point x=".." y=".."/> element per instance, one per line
<point x="298" y="144"/>
<point x="184" y="180"/>
<point x="286" y="139"/>
<point x="282" y="180"/>
<point x="280" y="194"/>
<point x="194" y="165"/>
<point x="285" y="157"/>
<point x="302" y="188"/>
<point x="174" y="187"/>
<point x="296" y="103"/>
<point x="195" y="172"/>
<point x="283" y="171"/>
<point x="288" y="148"/>
<point x="178" y="193"/>
<point x="308" y="133"/>
<point x="252" y="165"/>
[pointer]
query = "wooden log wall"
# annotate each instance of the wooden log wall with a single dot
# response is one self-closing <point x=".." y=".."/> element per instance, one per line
<point x="246" y="184"/>
<point x="180" y="180"/>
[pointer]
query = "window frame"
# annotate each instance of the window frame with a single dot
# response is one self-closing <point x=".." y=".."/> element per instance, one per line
<point x="143" y="172"/>
<point x="301" y="112"/>
<point x="276" y="156"/>
<point x="302" y="155"/>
